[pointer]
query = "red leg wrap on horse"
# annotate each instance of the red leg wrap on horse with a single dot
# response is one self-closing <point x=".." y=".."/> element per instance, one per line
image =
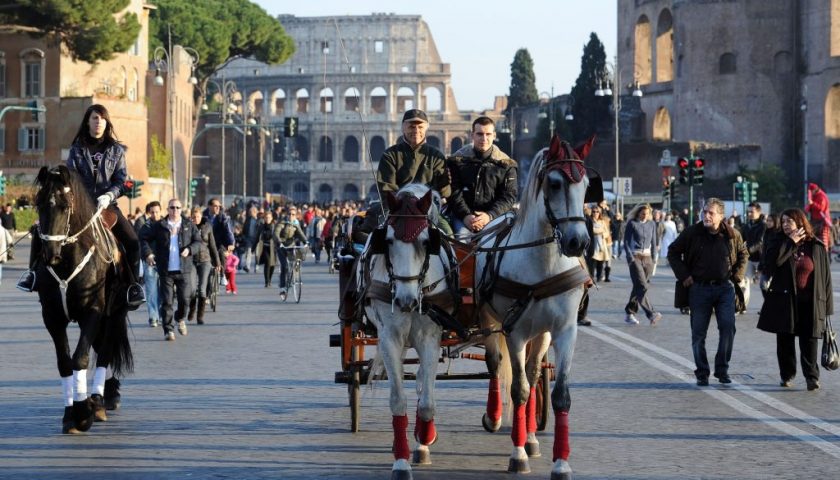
<point x="561" y="436"/>
<point x="494" y="400"/>
<point x="400" y="447"/>
<point x="424" y="432"/>
<point x="531" y="411"/>
<point x="517" y="433"/>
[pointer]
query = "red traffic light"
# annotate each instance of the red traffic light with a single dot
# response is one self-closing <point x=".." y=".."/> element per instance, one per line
<point x="129" y="184"/>
<point x="682" y="162"/>
<point x="699" y="163"/>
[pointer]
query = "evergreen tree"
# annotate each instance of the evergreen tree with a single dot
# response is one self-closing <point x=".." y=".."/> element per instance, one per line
<point x="592" y="114"/>
<point x="523" y="88"/>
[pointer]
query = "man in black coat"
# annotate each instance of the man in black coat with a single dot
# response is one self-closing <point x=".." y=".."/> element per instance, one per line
<point x="173" y="258"/>
<point x="753" y="232"/>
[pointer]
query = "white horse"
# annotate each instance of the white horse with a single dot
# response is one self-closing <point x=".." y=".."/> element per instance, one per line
<point x="410" y="278"/>
<point x="530" y="281"/>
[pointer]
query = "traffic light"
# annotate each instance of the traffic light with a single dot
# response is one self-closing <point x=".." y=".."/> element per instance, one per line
<point x="193" y="186"/>
<point x="2" y="184"/>
<point x="753" y="191"/>
<point x="128" y="188"/>
<point x="290" y="127"/>
<point x="666" y="188"/>
<point x="137" y="185"/>
<point x="683" y="164"/>
<point x="33" y="104"/>
<point x="698" y="170"/>
<point x="740" y="191"/>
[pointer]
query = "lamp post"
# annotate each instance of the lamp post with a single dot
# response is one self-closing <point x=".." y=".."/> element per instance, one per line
<point x="164" y="60"/>
<point x="611" y="76"/>
<point x="550" y="112"/>
<point x="226" y="89"/>
<point x="246" y="124"/>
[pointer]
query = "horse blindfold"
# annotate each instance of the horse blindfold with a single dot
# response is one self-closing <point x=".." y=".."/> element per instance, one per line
<point x="379" y="241"/>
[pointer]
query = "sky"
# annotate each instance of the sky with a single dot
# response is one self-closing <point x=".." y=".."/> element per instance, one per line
<point x="480" y="38"/>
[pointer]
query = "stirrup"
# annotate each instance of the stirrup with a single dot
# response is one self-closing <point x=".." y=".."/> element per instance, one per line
<point x="140" y="300"/>
<point x="26" y="282"/>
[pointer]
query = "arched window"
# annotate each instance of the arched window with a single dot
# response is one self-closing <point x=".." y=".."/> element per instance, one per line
<point x="278" y="102"/>
<point x="32" y="64"/>
<point x="351" y="99"/>
<point x="727" y="64"/>
<point x="433" y="141"/>
<point x="325" y="193"/>
<point x="255" y="104"/>
<point x="351" y="149"/>
<point x="373" y="193"/>
<point x="276" y="188"/>
<point x="455" y="145"/>
<point x="405" y="99"/>
<point x="835" y="28"/>
<point x="378" y="100"/>
<point x="300" y="193"/>
<point x="302" y="149"/>
<point x="431" y="99"/>
<point x="302" y="97"/>
<point x="326" y="96"/>
<point x="665" y="47"/>
<point x="662" y="125"/>
<point x="134" y="86"/>
<point x="832" y="137"/>
<point x="643" y="47"/>
<point x="325" y="149"/>
<point x="377" y="148"/>
<point x="351" y="192"/>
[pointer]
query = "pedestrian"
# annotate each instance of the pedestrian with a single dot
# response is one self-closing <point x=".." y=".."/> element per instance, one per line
<point x="753" y="233"/>
<point x="773" y="236"/>
<point x="669" y="234"/>
<point x="798" y="299"/>
<point x="265" y="250"/>
<point x="6" y="241"/>
<point x="249" y="234"/>
<point x="484" y="181"/>
<point x="709" y="259"/>
<point x="99" y="159"/>
<point x="617" y="234"/>
<point x="314" y="229"/>
<point x="286" y="233"/>
<point x="8" y="222"/>
<point x="150" y="273"/>
<point x="169" y="244"/>
<point x="231" y="262"/>
<point x="600" y="246"/>
<point x="328" y="235"/>
<point x="205" y="260"/>
<point x="819" y="209"/>
<point x="639" y="246"/>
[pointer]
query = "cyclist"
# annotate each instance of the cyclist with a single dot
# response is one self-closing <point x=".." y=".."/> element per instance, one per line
<point x="286" y="234"/>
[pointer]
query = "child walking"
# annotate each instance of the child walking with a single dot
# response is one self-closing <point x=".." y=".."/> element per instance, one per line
<point x="231" y="262"/>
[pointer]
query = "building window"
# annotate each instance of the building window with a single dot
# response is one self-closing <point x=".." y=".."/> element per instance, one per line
<point x="378" y="46"/>
<point x="32" y="79"/>
<point x="31" y="139"/>
<point x="2" y="75"/>
<point x="2" y="140"/>
<point x="727" y="64"/>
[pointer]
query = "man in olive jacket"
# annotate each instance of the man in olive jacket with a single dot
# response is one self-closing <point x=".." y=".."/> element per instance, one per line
<point x="484" y="181"/>
<point x="709" y="259"/>
<point x="173" y="258"/>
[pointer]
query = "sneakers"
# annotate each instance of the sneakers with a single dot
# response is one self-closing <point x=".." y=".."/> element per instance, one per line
<point x="283" y="294"/>
<point x="813" y="385"/>
<point x="585" y="322"/>
<point x="153" y="323"/>
<point x="135" y="296"/>
<point x="27" y="281"/>
<point x="703" y="381"/>
<point x="655" y="319"/>
<point x="786" y="383"/>
<point x="169" y="336"/>
<point x="182" y="327"/>
<point x="724" y="378"/>
<point x="631" y="319"/>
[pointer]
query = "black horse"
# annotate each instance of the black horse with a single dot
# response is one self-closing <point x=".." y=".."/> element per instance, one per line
<point x="79" y="280"/>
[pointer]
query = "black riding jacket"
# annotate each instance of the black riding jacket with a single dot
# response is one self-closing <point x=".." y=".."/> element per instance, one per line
<point x="482" y="184"/>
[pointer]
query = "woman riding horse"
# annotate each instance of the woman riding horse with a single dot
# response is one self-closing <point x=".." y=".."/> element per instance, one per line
<point x="99" y="159"/>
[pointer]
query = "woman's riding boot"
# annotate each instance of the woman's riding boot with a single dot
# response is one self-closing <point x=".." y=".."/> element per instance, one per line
<point x="191" y="314"/>
<point x="27" y="280"/>
<point x="607" y="273"/>
<point x="201" y="306"/>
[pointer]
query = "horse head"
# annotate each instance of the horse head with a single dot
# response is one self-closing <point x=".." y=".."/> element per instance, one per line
<point x="566" y="187"/>
<point x="410" y="239"/>
<point x="58" y="202"/>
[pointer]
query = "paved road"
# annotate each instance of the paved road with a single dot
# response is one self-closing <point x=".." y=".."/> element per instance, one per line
<point x="251" y="395"/>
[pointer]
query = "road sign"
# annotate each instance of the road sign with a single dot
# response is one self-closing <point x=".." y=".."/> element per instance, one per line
<point x="624" y="186"/>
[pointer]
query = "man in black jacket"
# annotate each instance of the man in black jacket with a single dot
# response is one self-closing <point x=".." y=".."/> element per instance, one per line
<point x="173" y="258"/>
<point x="753" y="233"/>
<point x="484" y="181"/>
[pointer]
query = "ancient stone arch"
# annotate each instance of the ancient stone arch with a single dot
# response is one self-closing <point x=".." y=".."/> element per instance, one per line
<point x="278" y="102"/>
<point x="665" y="47"/>
<point x="351" y="149"/>
<point x="432" y="99"/>
<point x="302" y="100"/>
<point x="255" y="103"/>
<point x="455" y="145"/>
<point x="377" y="148"/>
<point x="351" y="192"/>
<point x="832" y="113"/>
<point x="325" y="193"/>
<point x="378" y="100"/>
<point x="405" y="99"/>
<point x="325" y="149"/>
<point x="326" y="99"/>
<point x="642" y="45"/>
<point x="352" y="98"/>
<point x="835" y="28"/>
<point x="662" y="125"/>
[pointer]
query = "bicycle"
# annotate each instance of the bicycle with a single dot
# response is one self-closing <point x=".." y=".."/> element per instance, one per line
<point x="293" y="280"/>
<point x="213" y="283"/>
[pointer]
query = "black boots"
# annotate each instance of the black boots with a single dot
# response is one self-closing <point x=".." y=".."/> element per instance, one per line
<point x="201" y="306"/>
<point x="193" y="304"/>
<point x="607" y="273"/>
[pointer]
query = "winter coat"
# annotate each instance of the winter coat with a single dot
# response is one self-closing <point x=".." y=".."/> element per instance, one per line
<point x="154" y="240"/>
<point x="783" y="271"/>
<point x="285" y="234"/>
<point x="401" y="165"/>
<point x="207" y="251"/>
<point x="108" y="178"/>
<point x="683" y="253"/>
<point x="265" y="235"/>
<point x="753" y="232"/>
<point x="481" y="185"/>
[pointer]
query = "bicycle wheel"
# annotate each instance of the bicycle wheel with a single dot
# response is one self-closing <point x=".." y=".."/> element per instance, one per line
<point x="214" y="290"/>
<point x="297" y="285"/>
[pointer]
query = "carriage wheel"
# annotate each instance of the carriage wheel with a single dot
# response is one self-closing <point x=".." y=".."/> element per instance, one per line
<point x="353" y="388"/>
<point x="297" y="285"/>
<point x="543" y="395"/>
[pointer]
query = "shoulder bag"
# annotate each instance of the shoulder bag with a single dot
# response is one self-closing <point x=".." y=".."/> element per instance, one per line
<point x="830" y="358"/>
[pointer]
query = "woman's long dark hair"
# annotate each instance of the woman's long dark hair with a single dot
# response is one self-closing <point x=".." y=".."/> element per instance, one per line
<point x="798" y="216"/>
<point x="83" y="134"/>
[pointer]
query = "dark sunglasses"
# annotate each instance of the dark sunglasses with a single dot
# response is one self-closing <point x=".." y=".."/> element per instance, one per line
<point x="174" y="208"/>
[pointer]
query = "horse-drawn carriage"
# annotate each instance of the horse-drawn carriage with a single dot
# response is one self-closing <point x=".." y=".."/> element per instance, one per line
<point x="524" y="295"/>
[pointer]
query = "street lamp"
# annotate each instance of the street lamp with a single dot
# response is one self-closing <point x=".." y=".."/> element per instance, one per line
<point x="164" y="60"/>
<point x="611" y="77"/>
<point x="550" y="111"/>
<point x="570" y="103"/>
<point x="226" y="89"/>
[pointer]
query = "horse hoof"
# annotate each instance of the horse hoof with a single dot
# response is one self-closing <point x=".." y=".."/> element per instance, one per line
<point x="112" y="394"/>
<point x="533" y="449"/>
<point x="519" y="465"/>
<point x="68" y="426"/>
<point x="83" y="415"/>
<point x="561" y="470"/>
<point x="561" y="476"/>
<point x="422" y="455"/>
<point x="401" y="470"/>
<point x="490" y="425"/>
<point x="99" y="414"/>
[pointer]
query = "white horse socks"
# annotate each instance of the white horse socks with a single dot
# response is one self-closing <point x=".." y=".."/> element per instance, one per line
<point x="80" y="385"/>
<point x="67" y="390"/>
<point x="99" y="381"/>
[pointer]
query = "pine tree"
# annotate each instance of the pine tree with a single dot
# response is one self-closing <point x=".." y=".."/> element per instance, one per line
<point x="591" y="113"/>
<point x="523" y="88"/>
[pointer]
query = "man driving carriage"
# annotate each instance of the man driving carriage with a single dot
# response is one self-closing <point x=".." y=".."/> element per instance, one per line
<point x="99" y="159"/>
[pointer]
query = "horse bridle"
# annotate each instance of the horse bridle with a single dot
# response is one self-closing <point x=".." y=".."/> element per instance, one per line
<point x="67" y="239"/>
<point x="553" y="220"/>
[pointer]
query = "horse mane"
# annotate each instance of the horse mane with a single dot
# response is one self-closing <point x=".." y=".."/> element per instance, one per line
<point x="532" y="186"/>
<point x="53" y="181"/>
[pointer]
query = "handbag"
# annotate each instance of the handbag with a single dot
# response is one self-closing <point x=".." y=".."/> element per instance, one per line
<point x="830" y="358"/>
<point x="680" y="295"/>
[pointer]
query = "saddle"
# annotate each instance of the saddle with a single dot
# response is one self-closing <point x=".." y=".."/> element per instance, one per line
<point x="109" y="218"/>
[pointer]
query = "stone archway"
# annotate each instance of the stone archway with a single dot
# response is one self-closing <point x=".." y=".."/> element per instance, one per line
<point x="665" y="47"/>
<point x="642" y="45"/>
<point x="662" y="125"/>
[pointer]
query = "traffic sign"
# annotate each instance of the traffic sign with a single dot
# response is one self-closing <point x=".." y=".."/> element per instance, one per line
<point x="623" y="186"/>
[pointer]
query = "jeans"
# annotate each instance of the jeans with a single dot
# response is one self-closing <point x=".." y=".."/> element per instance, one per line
<point x="283" y="258"/>
<point x="641" y="268"/>
<point x="315" y="245"/>
<point x="702" y="299"/>
<point x="171" y="284"/>
<point x="202" y="274"/>
<point x="152" y="287"/>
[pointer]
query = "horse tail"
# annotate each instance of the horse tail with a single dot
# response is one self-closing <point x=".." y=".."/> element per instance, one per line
<point x="117" y="343"/>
